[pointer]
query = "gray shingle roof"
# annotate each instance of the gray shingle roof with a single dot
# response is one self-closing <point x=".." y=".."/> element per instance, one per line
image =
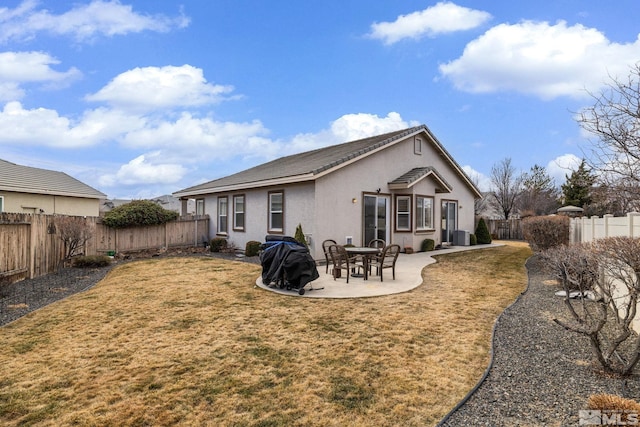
<point x="25" y="179"/>
<point x="307" y="163"/>
<point x="406" y="180"/>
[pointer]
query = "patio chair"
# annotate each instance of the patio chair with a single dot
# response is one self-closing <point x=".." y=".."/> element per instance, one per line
<point x="373" y="259"/>
<point x="341" y="261"/>
<point x="387" y="259"/>
<point x="325" y="249"/>
<point x="377" y="243"/>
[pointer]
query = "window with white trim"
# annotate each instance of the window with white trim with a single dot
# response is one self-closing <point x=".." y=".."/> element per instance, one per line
<point x="276" y="212"/>
<point x="1" y="203"/>
<point x="223" y="215"/>
<point x="403" y="213"/>
<point x="238" y="213"/>
<point x="199" y="206"/>
<point x="424" y="213"/>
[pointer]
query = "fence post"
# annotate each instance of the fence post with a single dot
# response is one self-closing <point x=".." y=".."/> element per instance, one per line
<point x="630" y="217"/>
<point x="606" y="217"/>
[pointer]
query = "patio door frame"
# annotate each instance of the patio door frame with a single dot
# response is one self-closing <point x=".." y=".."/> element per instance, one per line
<point x="449" y="220"/>
<point x="382" y="205"/>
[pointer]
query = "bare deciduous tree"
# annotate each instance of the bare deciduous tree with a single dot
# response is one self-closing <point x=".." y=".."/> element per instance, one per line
<point x="74" y="232"/>
<point x="507" y="186"/>
<point x="614" y="120"/>
<point x="607" y="320"/>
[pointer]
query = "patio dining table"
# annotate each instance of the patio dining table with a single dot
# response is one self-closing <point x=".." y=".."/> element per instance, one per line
<point x="366" y="253"/>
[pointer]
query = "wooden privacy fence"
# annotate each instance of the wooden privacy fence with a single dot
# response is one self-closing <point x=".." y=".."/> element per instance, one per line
<point x="505" y="229"/>
<point x="30" y="245"/>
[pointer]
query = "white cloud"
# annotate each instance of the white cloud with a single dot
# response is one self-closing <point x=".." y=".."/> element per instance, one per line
<point x="153" y="88"/>
<point x="349" y="127"/>
<point x="540" y="59"/>
<point x="562" y="166"/>
<point x="481" y="180"/>
<point x="45" y="127"/>
<point x="197" y="140"/>
<point x="442" y="18"/>
<point x="17" y="68"/>
<point x="145" y="169"/>
<point x="38" y="126"/>
<point x="83" y="22"/>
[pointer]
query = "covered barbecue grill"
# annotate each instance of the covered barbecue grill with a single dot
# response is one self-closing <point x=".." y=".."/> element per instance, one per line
<point x="286" y="263"/>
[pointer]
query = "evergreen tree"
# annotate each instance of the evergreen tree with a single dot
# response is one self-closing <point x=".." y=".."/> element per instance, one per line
<point x="299" y="236"/>
<point x="539" y="195"/>
<point x="482" y="233"/>
<point x="577" y="190"/>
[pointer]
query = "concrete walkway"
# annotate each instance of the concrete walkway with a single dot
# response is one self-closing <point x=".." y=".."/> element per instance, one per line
<point x="408" y="276"/>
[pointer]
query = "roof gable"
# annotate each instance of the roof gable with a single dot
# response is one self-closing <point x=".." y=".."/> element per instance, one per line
<point x="416" y="175"/>
<point x="25" y="179"/>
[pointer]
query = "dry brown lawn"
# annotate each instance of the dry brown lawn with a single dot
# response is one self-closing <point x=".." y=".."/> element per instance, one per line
<point x="193" y="341"/>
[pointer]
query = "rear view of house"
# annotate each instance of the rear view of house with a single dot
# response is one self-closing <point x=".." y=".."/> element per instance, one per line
<point x="402" y="187"/>
<point x="33" y="190"/>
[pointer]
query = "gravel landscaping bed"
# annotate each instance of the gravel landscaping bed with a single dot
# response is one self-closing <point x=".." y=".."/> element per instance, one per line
<point x="541" y="374"/>
<point x="25" y="296"/>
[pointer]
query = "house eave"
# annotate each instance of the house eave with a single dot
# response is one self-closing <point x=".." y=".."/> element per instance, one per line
<point x="50" y="193"/>
<point x="246" y="185"/>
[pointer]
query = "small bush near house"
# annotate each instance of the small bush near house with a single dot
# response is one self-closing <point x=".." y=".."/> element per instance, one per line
<point x="91" y="261"/>
<point x="252" y="248"/>
<point x="138" y="213"/>
<point x="473" y="240"/>
<point x="299" y="236"/>
<point x="545" y="232"/>
<point x="427" y="245"/>
<point x="482" y="233"/>
<point x="218" y="244"/>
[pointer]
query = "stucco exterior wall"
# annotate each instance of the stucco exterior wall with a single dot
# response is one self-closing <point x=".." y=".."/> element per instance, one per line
<point x="332" y="206"/>
<point x="335" y="193"/>
<point x="49" y="204"/>
<point x="298" y="209"/>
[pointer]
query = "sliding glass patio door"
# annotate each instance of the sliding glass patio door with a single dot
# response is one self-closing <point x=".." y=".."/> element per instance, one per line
<point x="376" y="218"/>
<point x="449" y="220"/>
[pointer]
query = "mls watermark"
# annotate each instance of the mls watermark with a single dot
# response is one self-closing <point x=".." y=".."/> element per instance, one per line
<point x="611" y="417"/>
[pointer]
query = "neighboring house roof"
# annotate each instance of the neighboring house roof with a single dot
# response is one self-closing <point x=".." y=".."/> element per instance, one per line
<point x="311" y="165"/>
<point x="25" y="179"/>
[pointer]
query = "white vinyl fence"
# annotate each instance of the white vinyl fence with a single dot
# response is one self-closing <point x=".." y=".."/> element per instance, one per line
<point x="585" y="229"/>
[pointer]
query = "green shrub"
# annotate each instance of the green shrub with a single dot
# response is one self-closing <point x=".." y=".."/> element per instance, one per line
<point x="138" y="213"/>
<point x="482" y="233"/>
<point x="299" y="236"/>
<point x="218" y="244"/>
<point x="252" y="248"/>
<point x="545" y="232"/>
<point x="473" y="240"/>
<point x="90" y="261"/>
<point x="427" y="245"/>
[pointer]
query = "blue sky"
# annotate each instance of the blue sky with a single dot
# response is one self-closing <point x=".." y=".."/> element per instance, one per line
<point x="142" y="98"/>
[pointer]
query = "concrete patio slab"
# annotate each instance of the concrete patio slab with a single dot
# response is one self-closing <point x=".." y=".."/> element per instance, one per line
<point x="408" y="277"/>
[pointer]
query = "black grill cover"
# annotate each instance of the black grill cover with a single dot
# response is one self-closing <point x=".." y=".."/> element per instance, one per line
<point x="287" y="263"/>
